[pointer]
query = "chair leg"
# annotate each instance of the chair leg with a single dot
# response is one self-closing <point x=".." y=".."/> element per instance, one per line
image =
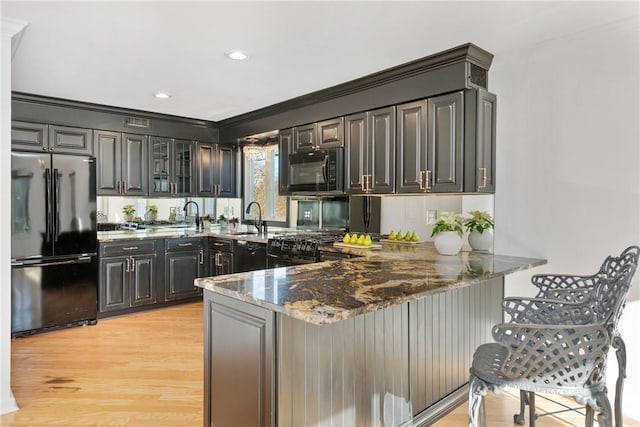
<point x="588" y="417"/>
<point x="519" y="417"/>
<point x="532" y="409"/>
<point x="621" y="355"/>
<point x="477" y="390"/>
<point x="605" y="418"/>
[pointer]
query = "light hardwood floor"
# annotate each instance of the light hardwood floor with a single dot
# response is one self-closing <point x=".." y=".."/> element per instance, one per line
<point x="146" y="370"/>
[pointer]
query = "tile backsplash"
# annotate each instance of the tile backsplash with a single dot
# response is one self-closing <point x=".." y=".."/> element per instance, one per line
<point x="110" y="208"/>
<point x="409" y="213"/>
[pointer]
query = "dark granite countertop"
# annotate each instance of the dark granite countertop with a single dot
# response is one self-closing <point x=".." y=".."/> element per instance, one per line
<point x="243" y="233"/>
<point x="331" y="291"/>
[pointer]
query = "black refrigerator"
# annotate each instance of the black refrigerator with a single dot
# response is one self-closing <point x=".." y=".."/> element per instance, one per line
<point x="54" y="266"/>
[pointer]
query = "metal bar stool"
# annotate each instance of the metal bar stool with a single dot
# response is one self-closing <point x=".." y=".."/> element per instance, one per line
<point x="563" y="352"/>
<point x="573" y="289"/>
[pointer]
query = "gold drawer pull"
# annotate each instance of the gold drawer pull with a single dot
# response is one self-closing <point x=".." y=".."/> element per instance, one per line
<point x="130" y="248"/>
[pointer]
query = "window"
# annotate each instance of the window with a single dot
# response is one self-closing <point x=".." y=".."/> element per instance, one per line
<point x="260" y="182"/>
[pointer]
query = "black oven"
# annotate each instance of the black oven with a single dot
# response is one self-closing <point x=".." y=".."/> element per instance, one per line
<point x="317" y="171"/>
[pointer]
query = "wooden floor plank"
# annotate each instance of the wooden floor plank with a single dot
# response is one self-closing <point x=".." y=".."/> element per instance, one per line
<point x="146" y="370"/>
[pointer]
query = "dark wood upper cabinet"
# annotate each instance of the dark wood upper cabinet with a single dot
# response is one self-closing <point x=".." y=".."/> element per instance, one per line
<point x="215" y="175"/>
<point x="122" y="164"/>
<point x="134" y="164"/>
<point x="70" y="140"/>
<point x="370" y="146"/>
<point x="330" y="133"/>
<point x="171" y="167"/>
<point x="480" y="141"/>
<point x="412" y="160"/>
<point x="57" y="139"/>
<point x="306" y="137"/>
<point x="445" y="125"/>
<point x="285" y="147"/>
<point x="29" y="136"/>
<point x="109" y="164"/>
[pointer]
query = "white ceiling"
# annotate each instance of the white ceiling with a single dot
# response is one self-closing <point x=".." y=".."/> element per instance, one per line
<point x="119" y="53"/>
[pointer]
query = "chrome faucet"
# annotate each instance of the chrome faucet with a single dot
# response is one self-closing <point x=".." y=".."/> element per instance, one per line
<point x="258" y="224"/>
<point x="197" y="212"/>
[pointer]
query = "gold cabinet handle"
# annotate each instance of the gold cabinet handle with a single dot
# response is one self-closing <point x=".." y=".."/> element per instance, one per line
<point x="133" y="263"/>
<point x="185" y="244"/>
<point x="422" y="179"/>
<point x="484" y="179"/>
<point x="428" y="180"/>
<point x="126" y="264"/>
<point x="130" y="248"/>
<point x="218" y="261"/>
<point x="201" y="257"/>
<point x="118" y="188"/>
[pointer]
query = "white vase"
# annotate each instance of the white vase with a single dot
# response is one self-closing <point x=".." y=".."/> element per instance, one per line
<point x="448" y="243"/>
<point x="480" y="241"/>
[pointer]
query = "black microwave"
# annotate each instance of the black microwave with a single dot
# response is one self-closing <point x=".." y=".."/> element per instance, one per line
<point x="317" y="171"/>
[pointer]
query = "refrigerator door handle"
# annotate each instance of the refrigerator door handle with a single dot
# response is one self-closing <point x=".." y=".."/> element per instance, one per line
<point x="47" y="205"/>
<point x="56" y="208"/>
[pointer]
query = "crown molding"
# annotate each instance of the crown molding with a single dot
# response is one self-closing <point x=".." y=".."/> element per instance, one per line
<point x="467" y="52"/>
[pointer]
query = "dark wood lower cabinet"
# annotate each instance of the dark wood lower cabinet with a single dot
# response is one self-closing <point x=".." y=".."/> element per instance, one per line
<point x="406" y="364"/>
<point x="181" y="269"/>
<point x="239" y="363"/>
<point x="128" y="281"/>
<point x="142" y="274"/>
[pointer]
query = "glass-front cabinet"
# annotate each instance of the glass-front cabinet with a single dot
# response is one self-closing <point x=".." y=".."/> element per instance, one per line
<point x="171" y="167"/>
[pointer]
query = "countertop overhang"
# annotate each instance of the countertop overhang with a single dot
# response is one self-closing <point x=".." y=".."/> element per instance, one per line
<point x="330" y="291"/>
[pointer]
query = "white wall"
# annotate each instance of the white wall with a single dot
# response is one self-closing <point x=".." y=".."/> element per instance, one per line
<point x="9" y="28"/>
<point x="568" y="160"/>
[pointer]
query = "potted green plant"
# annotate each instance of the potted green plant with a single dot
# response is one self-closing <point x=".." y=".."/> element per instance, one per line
<point x="479" y="226"/>
<point x="152" y="212"/>
<point x="222" y="221"/>
<point x="128" y="211"/>
<point x="447" y="233"/>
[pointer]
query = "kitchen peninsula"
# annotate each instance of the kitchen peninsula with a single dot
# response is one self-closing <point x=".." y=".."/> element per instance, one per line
<point x="384" y="338"/>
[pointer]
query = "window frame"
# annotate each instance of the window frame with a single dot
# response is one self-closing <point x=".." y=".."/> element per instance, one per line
<point x="275" y="191"/>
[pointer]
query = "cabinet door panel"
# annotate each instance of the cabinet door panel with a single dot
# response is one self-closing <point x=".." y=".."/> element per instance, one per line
<point x="445" y="124"/>
<point x="159" y="166"/>
<point x="181" y="269"/>
<point x="330" y="133"/>
<point x="183" y="164"/>
<point x="285" y="148"/>
<point x="63" y="139"/>
<point x="114" y="290"/>
<point x="411" y="163"/>
<point x="108" y="168"/>
<point x="29" y="136"/>
<point x="305" y="137"/>
<point x="486" y="142"/>
<point x="382" y="145"/>
<point x="143" y="280"/>
<point x="356" y="150"/>
<point x="227" y="167"/>
<point x="207" y="169"/>
<point x="134" y="164"/>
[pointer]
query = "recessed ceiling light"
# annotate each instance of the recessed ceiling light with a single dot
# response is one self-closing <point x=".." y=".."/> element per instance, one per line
<point x="236" y="55"/>
<point x="162" y="95"/>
